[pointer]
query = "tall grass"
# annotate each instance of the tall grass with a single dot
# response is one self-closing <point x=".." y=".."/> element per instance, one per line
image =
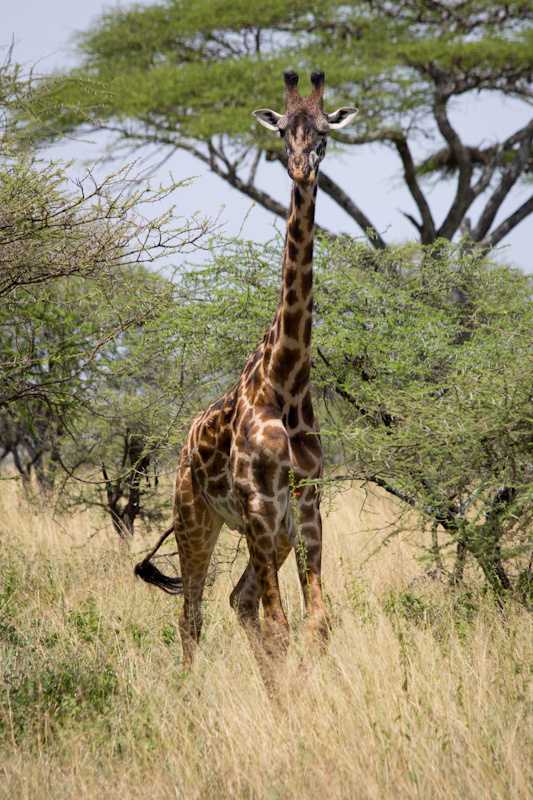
<point x="421" y="693"/>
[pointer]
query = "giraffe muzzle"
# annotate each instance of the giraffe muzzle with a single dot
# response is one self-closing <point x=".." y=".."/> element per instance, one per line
<point x="306" y="181"/>
<point x="302" y="176"/>
<point x="300" y="169"/>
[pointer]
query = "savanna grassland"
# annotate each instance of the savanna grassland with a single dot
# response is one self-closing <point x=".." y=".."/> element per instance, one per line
<point x="422" y="692"/>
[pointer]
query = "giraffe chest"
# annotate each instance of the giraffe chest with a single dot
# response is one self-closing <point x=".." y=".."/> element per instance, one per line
<point x="250" y="460"/>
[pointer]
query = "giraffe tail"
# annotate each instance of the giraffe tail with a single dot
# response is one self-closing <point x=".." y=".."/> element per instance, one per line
<point x="149" y="573"/>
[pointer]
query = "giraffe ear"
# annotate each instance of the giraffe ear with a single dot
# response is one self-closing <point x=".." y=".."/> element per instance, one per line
<point x="269" y="119"/>
<point x="341" y="117"/>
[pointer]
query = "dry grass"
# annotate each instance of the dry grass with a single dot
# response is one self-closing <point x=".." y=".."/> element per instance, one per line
<point x="421" y="693"/>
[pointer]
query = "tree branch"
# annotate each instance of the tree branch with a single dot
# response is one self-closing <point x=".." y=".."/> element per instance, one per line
<point x="464" y="195"/>
<point x="253" y="170"/>
<point x="511" y="222"/>
<point x="346" y="203"/>
<point x="391" y="490"/>
<point x="507" y="182"/>
<point x="427" y="229"/>
<point x="384" y="135"/>
<point x="247" y="188"/>
<point x="496" y="158"/>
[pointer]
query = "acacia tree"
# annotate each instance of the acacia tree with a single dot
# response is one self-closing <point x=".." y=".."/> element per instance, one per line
<point x="184" y="74"/>
<point x="435" y="396"/>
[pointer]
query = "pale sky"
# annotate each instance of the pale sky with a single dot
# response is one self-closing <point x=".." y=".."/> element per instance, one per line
<point x="42" y="33"/>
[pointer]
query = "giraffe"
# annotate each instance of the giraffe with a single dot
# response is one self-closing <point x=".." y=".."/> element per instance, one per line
<point x="241" y="454"/>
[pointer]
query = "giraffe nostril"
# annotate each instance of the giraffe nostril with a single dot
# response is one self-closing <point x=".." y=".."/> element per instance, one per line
<point x="300" y="168"/>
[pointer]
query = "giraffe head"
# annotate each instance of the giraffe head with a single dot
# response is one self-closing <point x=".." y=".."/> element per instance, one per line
<point x="304" y="126"/>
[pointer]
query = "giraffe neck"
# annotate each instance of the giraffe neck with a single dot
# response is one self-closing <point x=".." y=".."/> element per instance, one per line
<point x="287" y="358"/>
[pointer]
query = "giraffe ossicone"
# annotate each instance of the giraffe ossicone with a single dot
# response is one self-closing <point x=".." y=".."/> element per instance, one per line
<point x="244" y="454"/>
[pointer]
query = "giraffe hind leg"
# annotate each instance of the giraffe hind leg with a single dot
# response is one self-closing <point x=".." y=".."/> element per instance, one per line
<point x="197" y="528"/>
<point x="194" y="566"/>
<point x="194" y="573"/>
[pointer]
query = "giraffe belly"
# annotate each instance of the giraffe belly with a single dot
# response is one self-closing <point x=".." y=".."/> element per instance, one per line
<point x="226" y="508"/>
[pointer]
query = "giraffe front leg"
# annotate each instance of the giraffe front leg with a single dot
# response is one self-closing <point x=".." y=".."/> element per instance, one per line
<point x="260" y="581"/>
<point x="308" y="547"/>
<point x="245" y="597"/>
<point x="190" y="627"/>
<point x="275" y="628"/>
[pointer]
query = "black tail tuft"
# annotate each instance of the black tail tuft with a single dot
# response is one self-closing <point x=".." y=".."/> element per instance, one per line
<point x="150" y="574"/>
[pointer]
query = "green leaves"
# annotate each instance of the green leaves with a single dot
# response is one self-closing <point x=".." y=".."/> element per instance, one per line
<point x="188" y="59"/>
